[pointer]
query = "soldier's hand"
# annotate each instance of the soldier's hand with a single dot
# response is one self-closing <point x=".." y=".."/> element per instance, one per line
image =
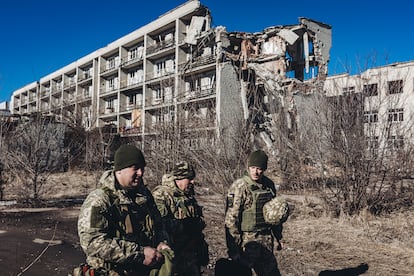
<point x="162" y="246"/>
<point x="152" y="256"/>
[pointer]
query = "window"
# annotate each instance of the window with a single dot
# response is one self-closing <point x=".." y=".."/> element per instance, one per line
<point x="86" y="117"/>
<point x="87" y="73"/>
<point x="171" y="115"/>
<point x="135" y="77"/>
<point x="169" y="36"/>
<point x="132" y="77"/>
<point x="87" y="91"/>
<point x="159" y="117"/>
<point x="133" y="53"/>
<point x="207" y="82"/>
<point x="371" y="116"/>
<point x="350" y="89"/>
<point x="111" y="62"/>
<point x="132" y="99"/>
<point x="157" y="95"/>
<point x="109" y="104"/>
<point x="164" y="67"/>
<point x="159" y="68"/>
<point x="373" y="143"/>
<point x="59" y="85"/>
<point x="396" y="115"/>
<point x="112" y="84"/>
<point x="395" y="142"/>
<point x="395" y="87"/>
<point x="370" y="90"/>
<point x="168" y="92"/>
<point x="72" y="79"/>
<point x="169" y="66"/>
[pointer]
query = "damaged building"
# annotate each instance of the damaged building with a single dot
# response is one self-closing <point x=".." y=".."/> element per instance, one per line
<point x="180" y="71"/>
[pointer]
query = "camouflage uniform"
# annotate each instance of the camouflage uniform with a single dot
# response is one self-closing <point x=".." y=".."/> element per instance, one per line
<point x="115" y="225"/>
<point x="250" y="240"/>
<point x="184" y="223"/>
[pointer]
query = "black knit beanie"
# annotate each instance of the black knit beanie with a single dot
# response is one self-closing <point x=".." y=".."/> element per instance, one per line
<point x="127" y="156"/>
<point x="258" y="159"/>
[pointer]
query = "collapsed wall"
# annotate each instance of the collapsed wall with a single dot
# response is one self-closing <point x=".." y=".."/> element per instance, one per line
<point x="273" y="67"/>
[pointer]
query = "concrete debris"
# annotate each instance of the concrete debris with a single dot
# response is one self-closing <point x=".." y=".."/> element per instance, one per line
<point x="275" y="65"/>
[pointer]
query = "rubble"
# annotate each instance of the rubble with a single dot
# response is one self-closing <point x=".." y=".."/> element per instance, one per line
<point x="276" y="65"/>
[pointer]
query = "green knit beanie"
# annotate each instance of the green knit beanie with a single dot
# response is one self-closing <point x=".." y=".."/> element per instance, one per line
<point x="127" y="156"/>
<point x="258" y="159"/>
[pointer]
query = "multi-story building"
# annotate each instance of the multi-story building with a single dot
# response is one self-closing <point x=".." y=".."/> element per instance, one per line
<point x="387" y="103"/>
<point x="179" y="70"/>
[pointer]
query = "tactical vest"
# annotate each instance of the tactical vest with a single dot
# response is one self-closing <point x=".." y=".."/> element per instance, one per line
<point x="252" y="218"/>
<point x="132" y="222"/>
<point x="185" y="207"/>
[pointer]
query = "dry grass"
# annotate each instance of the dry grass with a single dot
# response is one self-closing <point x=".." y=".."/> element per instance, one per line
<point x="317" y="243"/>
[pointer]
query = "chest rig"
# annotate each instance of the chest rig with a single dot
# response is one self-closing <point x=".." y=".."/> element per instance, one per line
<point x="252" y="217"/>
<point x="132" y="221"/>
<point x="185" y="207"/>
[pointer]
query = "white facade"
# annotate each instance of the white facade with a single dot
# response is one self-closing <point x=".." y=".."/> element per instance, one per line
<point x="388" y="101"/>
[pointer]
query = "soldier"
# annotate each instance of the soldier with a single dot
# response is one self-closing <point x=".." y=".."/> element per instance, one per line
<point x="119" y="225"/>
<point x="249" y="233"/>
<point x="183" y="219"/>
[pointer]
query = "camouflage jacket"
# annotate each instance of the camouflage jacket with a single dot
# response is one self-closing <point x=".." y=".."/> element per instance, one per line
<point x="180" y="211"/>
<point x="114" y="228"/>
<point x="240" y="199"/>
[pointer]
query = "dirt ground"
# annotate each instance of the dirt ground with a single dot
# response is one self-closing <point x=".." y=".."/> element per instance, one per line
<point x="39" y="241"/>
<point x="45" y="242"/>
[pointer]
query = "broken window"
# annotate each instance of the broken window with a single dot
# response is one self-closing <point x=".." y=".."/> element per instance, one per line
<point x="197" y="25"/>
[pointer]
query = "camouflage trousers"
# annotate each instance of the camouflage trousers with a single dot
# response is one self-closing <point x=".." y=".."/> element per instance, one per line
<point x="258" y="253"/>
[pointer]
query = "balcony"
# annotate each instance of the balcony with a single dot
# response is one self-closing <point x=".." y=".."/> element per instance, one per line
<point x="128" y="63"/>
<point x="160" y="46"/>
<point x="69" y="85"/>
<point x="45" y="94"/>
<point x="200" y="93"/>
<point x="130" y="131"/>
<point x="105" y="91"/>
<point x="160" y="74"/>
<point x="84" y="98"/>
<point x="129" y="84"/>
<point x="109" y="110"/>
<point x="85" y="80"/>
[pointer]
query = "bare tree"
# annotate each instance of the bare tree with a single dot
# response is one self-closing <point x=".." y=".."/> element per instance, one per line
<point x="356" y="145"/>
<point x="35" y="148"/>
<point x="191" y="135"/>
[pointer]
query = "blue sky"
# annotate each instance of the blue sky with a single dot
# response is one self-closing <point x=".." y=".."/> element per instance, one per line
<point x="41" y="36"/>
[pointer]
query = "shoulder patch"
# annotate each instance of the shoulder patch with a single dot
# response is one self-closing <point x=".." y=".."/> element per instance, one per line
<point x="96" y="220"/>
<point x="230" y="200"/>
